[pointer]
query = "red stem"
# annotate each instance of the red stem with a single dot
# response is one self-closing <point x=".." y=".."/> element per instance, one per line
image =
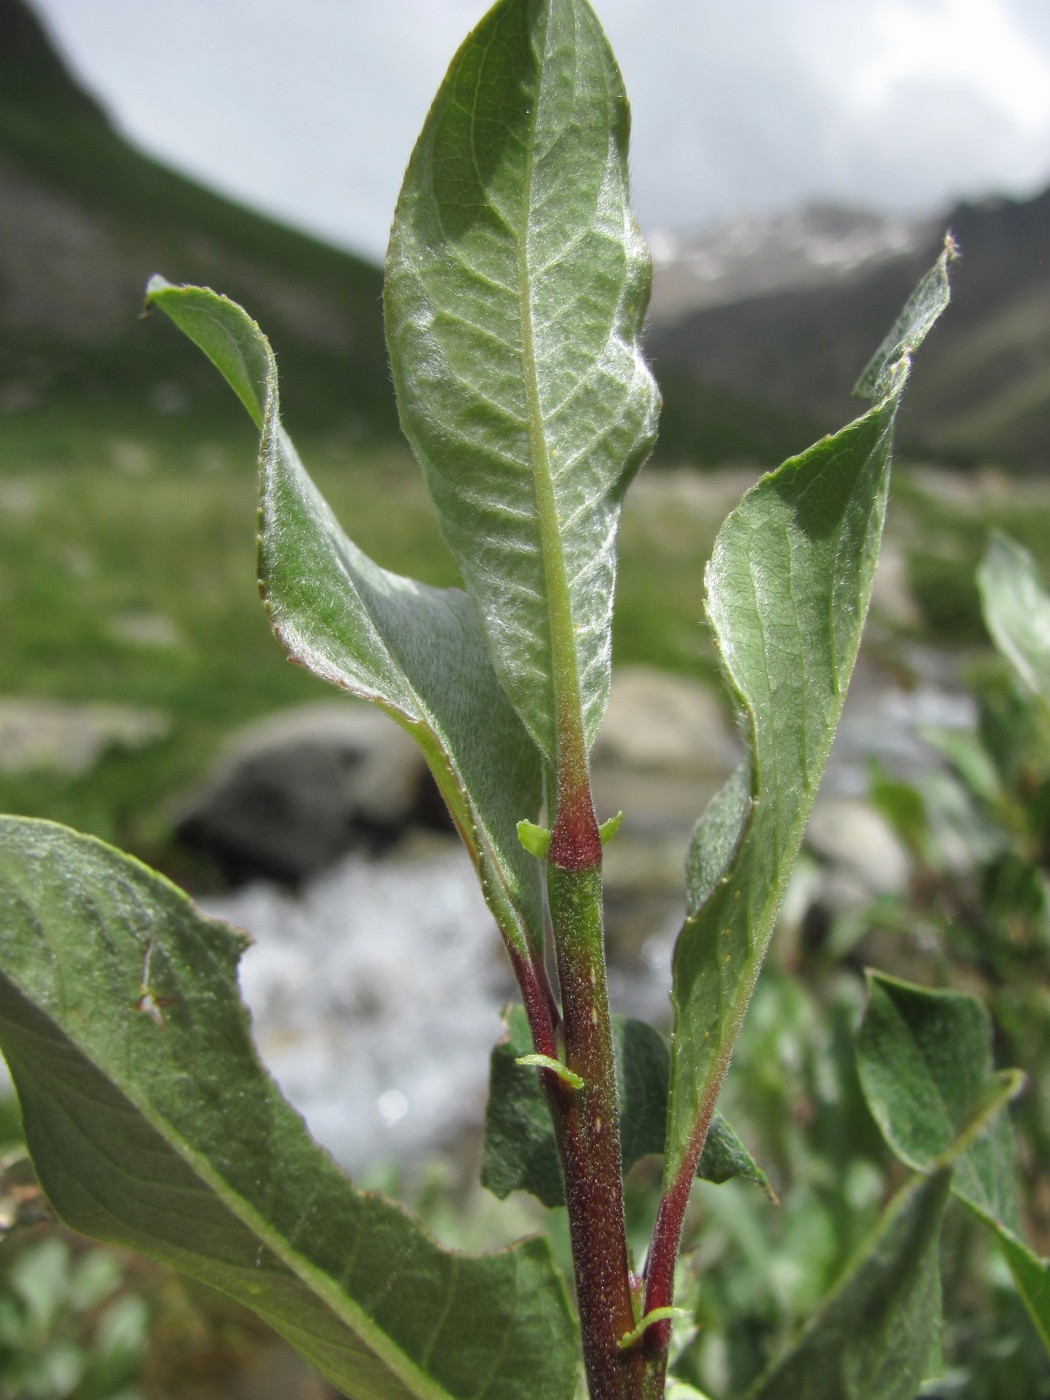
<point x="586" y="1120"/>
<point x="538" y="1000"/>
<point x="667" y="1232"/>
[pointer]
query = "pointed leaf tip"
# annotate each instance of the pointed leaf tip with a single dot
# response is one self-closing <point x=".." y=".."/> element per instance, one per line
<point x="910" y="329"/>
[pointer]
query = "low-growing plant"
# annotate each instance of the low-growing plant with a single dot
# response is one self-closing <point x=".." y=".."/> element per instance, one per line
<point x="516" y="288"/>
<point x="977" y="830"/>
<point x="67" y="1330"/>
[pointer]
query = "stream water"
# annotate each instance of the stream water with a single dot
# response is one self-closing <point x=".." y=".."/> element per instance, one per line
<point x="376" y="992"/>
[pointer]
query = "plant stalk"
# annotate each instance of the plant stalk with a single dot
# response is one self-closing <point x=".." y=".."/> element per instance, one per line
<point x="586" y="1120"/>
<point x="670" y="1218"/>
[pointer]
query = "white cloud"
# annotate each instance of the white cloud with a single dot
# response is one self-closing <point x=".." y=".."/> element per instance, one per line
<point x="310" y="111"/>
<point x="973" y="45"/>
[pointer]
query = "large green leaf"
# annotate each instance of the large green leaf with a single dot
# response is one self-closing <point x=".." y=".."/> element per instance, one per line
<point x="1016" y="610"/>
<point x="788" y="588"/>
<point x="520" y="1152"/>
<point x="417" y="652"/>
<point x="925" y="1064"/>
<point x="516" y="287"/>
<point x="152" y="1124"/>
<point x="874" y="1336"/>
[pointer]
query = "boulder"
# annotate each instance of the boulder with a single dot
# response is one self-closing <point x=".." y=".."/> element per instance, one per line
<point x="861" y="856"/>
<point x="664" y="749"/>
<point x="294" y="792"/>
<point x="65" y="737"/>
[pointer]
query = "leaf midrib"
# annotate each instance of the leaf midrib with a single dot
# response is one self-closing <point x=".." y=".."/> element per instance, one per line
<point x="570" y="743"/>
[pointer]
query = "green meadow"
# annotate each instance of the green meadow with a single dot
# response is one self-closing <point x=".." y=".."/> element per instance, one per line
<point x="127" y="576"/>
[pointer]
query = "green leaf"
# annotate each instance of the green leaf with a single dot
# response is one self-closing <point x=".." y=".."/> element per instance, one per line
<point x="788" y="587"/>
<point x="1032" y="1277"/>
<point x="153" y="1125"/>
<point x="520" y="1153"/>
<point x="725" y="1157"/>
<point x="873" y="1337"/>
<point x="1016" y="610"/>
<point x="925" y="1064"/>
<point x="417" y="652"/>
<point x="516" y="287"/>
<point x="716" y="839"/>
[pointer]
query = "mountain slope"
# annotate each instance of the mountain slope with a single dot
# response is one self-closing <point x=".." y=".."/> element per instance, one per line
<point x="87" y="219"/>
<point x="981" y="388"/>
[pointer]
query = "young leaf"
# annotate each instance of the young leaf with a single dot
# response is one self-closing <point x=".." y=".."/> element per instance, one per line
<point x="516" y="287"/>
<point x="520" y="1152"/>
<point x="415" y="651"/>
<point x="1016" y="610"/>
<point x="788" y="588"/>
<point x="925" y="1064"/>
<point x="152" y="1124"/>
<point x="873" y="1336"/>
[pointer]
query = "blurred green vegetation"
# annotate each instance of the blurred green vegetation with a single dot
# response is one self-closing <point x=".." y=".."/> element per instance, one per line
<point x="127" y="575"/>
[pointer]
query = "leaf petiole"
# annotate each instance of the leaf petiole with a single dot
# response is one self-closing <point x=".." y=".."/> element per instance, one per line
<point x="656" y="1315"/>
<point x="563" y="1072"/>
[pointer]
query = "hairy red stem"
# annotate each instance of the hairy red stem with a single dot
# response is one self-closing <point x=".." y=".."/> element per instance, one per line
<point x="667" y="1232"/>
<point x="586" y="1119"/>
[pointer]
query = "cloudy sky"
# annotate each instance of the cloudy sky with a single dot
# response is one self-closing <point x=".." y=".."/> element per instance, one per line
<point x="308" y="111"/>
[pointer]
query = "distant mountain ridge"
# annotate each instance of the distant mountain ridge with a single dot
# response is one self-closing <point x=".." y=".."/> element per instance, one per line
<point x="980" y="390"/>
<point x="755" y="254"/>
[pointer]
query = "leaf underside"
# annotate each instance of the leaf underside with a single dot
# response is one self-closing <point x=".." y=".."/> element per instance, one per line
<point x="924" y="1059"/>
<point x="417" y="652"/>
<point x="788" y="588"/>
<point x="152" y="1124"/>
<point x="873" y="1337"/>
<point x="1016" y="610"/>
<point x="516" y="287"/>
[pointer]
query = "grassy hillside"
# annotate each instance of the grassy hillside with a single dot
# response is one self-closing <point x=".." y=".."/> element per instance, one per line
<point x="87" y="219"/>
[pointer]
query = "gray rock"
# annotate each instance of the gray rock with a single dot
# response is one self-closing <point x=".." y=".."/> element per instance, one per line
<point x="70" y="738"/>
<point x="664" y="749"/>
<point x="294" y="792"/>
<point x="856" y="843"/>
